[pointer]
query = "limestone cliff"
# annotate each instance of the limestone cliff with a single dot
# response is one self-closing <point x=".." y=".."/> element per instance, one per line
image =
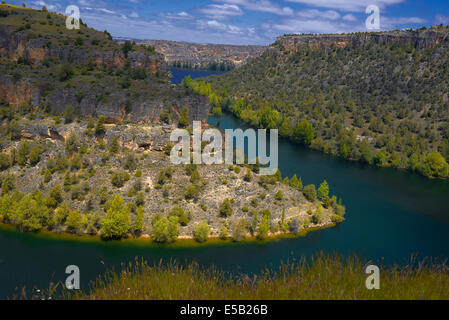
<point x="420" y="39"/>
<point x="202" y="55"/>
<point x="15" y="45"/>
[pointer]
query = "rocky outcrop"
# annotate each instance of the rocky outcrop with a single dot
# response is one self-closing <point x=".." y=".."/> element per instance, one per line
<point x="203" y="54"/>
<point x="15" y="45"/>
<point x="112" y="106"/>
<point x="18" y="93"/>
<point x="419" y="39"/>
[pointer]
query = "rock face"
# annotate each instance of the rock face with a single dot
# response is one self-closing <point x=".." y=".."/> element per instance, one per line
<point x="15" y="45"/>
<point x="419" y="39"/>
<point x="203" y="54"/>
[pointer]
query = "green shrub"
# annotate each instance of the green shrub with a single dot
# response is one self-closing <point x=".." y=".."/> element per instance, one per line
<point x="226" y="208"/>
<point x="201" y="232"/>
<point x="119" y="178"/>
<point x="117" y="222"/>
<point x="310" y="192"/>
<point x="165" y="230"/>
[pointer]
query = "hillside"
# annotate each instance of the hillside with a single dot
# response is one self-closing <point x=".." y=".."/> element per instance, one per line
<point x="45" y="65"/>
<point x="376" y="97"/>
<point x="85" y="144"/>
<point x="204" y="56"/>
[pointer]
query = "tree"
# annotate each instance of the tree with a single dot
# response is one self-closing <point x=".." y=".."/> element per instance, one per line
<point x="117" y="222"/>
<point x="183" y="218"/>
<point x="7" y="213"/>
<point x="295" y="183"/>
<point x="72" y="143"/>
<point x="264" y="225"/>
<point x="119" y="178"/>
<point x="310" y="192"/>
<point x="303" y="133"/>
<point x="138" y="221"/>
<point x="166" y="230"/>
<point x="90" y="125"/>
<point x="192" y="192"/>
<point x="269" y="118"/>
<point x="74" y="221"/>
<point x="69" y="114"/>
<point x="65" y="71"/>
<point x="380" y="158"/>
<point x="435" y="165"/>
<point x="317" y="216"/>
<point x="224" y="234"/>
<point x="22" y="153"/>
<point x="201" y="232"/>
<point x="365" y="152"/>
<point x="31" y="212"/>
<point x="126" y="48"/>
<point x="55" y="196"/>
<point x="115" y="146"/>
<point x="100" y="128"/>
<point x="323" y="190"/>
<point x="279" y="195"/>
<point x="226" y="208"/>
<point x="184" y="118"/>
<point x="239" y="231"/>
<point x="35" y="155"/>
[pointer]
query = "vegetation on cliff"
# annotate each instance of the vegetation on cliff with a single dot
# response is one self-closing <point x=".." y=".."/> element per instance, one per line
<point x="380" y="98"/>
<point x="84" y="72"/>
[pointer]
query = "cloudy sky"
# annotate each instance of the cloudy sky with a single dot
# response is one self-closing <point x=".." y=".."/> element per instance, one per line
<point x="244" y="21"/>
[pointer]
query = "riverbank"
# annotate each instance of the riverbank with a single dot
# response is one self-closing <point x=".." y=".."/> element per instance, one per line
<point x="148" y="241"/>
<point x="322" y="277"/>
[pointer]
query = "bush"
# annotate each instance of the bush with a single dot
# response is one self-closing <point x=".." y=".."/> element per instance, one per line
<point x="226" y="208"/>
<point x="117" y="222"/>
<point x="138" y="222"/>
<point x="119" y="178"/>
<point x="264" y="226"/>
<point x="201" y="232"/>
<point x="72" y="143"/>
<point x="22" y="153"/>
<point x="239" y="232"/>
<point x="165" y="230"/>
<point x="65" y="71"/>
<point x="192" y="192"/>
<point x="224" y="234"/>
<point x="4" y="161"/>
<point x="336" y="218"/>
<point x="323" y="191"/>
<point x="279" y="195"/>
<point x="310" y="192"/>
<point x="74" y="222"/>
<point x="183" y="218"/>
<point x="69" y="114"/>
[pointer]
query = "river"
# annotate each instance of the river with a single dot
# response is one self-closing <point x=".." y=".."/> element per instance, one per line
<point x="390" y="216"/>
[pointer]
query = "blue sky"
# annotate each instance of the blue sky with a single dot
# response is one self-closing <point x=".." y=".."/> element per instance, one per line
<point x="244" y="21"/>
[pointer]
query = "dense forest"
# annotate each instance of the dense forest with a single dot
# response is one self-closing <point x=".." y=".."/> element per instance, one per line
<point x="380" y="103"/>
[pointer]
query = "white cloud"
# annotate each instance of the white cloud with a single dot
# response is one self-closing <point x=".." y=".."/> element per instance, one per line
<point x="349" y="17"/>
<point x="221" y="11"/>
<point x="390" y="23"/>
<point x="347" y="5"/>
<point x="261" y="6"/>
<point x="439" y="19"/>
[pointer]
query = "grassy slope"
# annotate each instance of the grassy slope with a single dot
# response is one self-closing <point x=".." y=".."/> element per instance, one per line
<point x="327" y="277"/>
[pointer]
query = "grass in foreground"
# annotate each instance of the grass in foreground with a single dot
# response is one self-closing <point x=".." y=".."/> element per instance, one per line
<point x="325" y="277"/>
